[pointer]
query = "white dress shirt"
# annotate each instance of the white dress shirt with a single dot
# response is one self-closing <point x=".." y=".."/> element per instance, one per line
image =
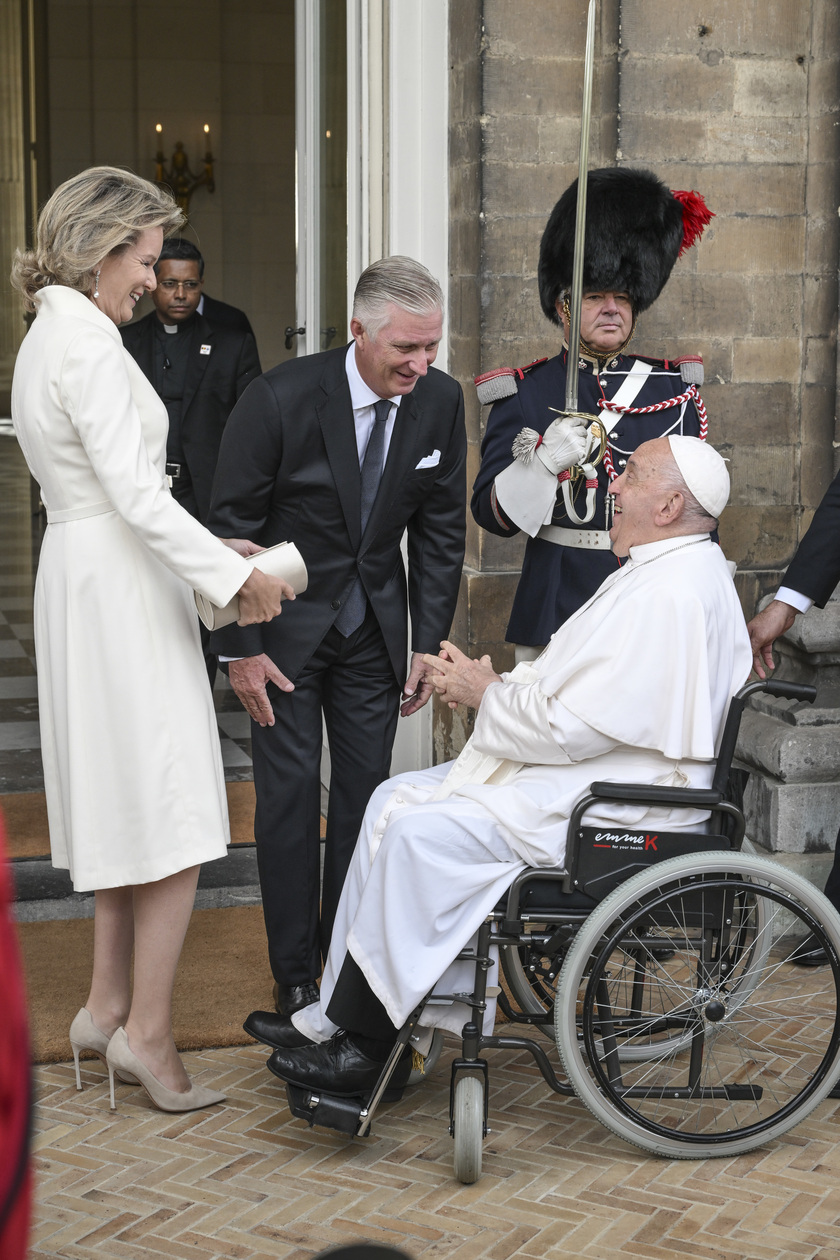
<point x="363" y="399"/>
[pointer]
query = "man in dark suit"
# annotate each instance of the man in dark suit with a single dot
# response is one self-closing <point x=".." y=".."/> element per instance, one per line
<point x="811" y="577"/>
<point x="199" y="368"/>
<point x="341" y="453"/>
<point x="223" y="315"/>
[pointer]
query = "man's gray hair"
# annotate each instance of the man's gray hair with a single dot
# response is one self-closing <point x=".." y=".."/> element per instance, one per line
<point x="396" y="281"/>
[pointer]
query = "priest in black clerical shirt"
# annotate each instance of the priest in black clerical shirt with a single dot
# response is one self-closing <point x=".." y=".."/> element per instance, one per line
<point x="199" y="368"/>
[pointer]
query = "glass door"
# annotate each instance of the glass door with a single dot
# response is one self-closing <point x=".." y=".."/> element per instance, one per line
<point x="321" y="130"/>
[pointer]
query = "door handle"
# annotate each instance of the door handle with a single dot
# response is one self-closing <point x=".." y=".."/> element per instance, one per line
<point x="293" y="332"/>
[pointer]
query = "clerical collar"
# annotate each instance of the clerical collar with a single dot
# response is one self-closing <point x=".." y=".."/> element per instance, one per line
<point x="643" y="552"/>
<point x="183" y="327"/>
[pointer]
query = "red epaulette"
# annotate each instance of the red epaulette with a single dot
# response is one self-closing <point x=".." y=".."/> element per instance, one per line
<point x="502" y="382"/>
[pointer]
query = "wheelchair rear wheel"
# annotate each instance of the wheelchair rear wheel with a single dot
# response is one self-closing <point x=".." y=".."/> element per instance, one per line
<point x="532" y="976"/>
<point x="739" y="1044"/>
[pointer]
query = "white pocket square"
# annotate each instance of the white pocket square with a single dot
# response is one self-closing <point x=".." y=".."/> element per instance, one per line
<point x="429" y="461"/>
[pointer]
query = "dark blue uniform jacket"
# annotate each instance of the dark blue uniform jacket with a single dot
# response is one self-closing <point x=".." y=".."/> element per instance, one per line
<point x="557" y="580"/>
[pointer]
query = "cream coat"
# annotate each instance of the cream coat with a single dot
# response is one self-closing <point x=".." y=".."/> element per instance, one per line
<point x="132" y="768"/>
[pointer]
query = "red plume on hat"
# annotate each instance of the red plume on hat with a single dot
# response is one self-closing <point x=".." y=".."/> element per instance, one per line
<point x="696" y="217"/>
<point x="636" y="228"/>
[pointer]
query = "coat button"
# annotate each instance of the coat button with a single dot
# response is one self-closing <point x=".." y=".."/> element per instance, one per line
<point x="622" y="463"/>
<point x="613" y="437"/>
<point x="336" y="603"/>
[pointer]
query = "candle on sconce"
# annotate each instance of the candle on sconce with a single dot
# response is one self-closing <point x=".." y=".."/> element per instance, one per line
<point x="159" y="153"/>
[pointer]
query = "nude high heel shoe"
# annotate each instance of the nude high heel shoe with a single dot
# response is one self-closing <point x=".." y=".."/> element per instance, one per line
<point x="120" y="1055"/>
<point x="84" y="1035"/>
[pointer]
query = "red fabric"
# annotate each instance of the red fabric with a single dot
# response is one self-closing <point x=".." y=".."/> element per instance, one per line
<point x="15" y="1082"/>
<point x="696" y="217"/>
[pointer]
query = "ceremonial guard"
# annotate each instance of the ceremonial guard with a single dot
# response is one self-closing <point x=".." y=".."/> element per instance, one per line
<point x="555" y="486"/>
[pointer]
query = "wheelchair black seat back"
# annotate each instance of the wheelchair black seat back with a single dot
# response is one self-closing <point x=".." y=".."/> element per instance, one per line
<point x="666" y="982"/>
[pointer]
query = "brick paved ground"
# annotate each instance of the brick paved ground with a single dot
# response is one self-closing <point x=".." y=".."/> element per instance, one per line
<point x="246" y="1181"/>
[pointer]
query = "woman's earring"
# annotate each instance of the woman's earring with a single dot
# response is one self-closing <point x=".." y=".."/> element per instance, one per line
<point x="96" y="285"/>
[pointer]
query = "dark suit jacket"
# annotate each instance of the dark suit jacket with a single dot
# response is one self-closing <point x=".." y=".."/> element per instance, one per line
<point x="223" y="315"/>
<point x="815" y="568"/>
<point x="289" y="471"/>
<point x="214" y="382"/>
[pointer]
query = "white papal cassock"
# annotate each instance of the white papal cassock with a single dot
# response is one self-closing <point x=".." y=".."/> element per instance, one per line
<point x="634" y="687"/>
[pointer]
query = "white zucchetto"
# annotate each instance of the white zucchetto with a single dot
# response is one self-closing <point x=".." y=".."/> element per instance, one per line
<point x="703" y="471"/>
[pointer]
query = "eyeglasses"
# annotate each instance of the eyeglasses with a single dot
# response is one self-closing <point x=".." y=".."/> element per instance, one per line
<point x="189" y="286"/>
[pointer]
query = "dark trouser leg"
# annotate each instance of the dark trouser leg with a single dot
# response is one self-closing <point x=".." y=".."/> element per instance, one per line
<point x="210" y="659"/>
<point x="287" y="779"/>
<point x="832" y="884"/>
<point x="361" y="706"/>
<point x="355" y="1007"/>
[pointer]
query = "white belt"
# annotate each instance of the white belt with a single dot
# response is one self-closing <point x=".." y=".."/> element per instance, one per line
<point x="79" y="513"/>
<point x="589" y="539"/>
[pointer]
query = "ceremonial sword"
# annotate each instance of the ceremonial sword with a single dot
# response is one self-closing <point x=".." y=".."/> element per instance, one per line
<point x="596" y="427"/>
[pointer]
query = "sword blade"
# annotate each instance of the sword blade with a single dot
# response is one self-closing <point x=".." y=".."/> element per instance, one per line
<point x="580" y="217"/>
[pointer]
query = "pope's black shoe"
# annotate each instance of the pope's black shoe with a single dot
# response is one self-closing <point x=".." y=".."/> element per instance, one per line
<point x="338" y="1067"/>
<point x="289" y="998"/>
<point x="275" y="1030"/>
<point x="809" y="953"/>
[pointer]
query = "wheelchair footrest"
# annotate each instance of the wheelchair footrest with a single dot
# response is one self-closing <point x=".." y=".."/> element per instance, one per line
<point x="343" y="1114"/>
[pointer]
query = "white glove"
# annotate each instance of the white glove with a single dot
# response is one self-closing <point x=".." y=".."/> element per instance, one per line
<point x="565" y="442"/>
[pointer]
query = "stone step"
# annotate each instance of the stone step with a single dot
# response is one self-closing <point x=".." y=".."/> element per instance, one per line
<point x="44" y="893"/>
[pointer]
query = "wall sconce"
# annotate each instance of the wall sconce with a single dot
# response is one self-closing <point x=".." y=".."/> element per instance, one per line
<point x="179" y="178"/>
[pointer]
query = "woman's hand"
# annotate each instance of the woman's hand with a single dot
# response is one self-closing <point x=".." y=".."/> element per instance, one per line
<point x="260" y="597"/>
<point x="242" y="546"/>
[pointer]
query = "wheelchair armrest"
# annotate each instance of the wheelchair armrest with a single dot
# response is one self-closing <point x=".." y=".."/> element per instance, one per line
<point x="644" y="793"/>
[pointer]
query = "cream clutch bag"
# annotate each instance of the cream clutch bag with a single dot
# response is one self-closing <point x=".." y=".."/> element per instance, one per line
<point x="283" y="561"/>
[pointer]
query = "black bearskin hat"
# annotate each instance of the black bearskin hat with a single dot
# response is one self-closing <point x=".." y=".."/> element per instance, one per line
<point x="635" y="230"/>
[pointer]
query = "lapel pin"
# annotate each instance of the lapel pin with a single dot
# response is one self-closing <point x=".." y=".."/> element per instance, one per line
<point x="205" y="350"/>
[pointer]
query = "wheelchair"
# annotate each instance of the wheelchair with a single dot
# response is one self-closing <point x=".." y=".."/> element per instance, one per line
<point x="660" y="965"/>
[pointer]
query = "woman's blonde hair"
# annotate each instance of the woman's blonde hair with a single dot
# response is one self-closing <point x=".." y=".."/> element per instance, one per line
<point x="99" y="212"/>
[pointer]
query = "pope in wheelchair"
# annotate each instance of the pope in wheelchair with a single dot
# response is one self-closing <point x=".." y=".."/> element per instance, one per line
<point x="633" y="687"/>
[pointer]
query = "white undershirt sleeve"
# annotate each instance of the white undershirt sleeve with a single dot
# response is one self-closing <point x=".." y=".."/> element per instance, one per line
<point x="795" y="598"/>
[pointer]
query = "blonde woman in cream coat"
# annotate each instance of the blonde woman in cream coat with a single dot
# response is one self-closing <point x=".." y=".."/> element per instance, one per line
<point x="132" y="768"/>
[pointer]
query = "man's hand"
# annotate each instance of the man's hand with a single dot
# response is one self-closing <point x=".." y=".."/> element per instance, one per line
<point x="242" y="546"/>
<point x="764" y="629"/>
<point x="248" y="678"/>
<point x="565" y="442"/>
<point x="260" y="598"/>
<point x="417" y="688"/>
<point x="457" y="679"/>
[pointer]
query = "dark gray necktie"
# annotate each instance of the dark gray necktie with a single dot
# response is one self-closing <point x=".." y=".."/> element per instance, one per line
<point x="352" y="614"/>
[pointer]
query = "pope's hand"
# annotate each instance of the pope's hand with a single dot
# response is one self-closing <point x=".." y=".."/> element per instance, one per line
<point x="260" y="598"/>
<point x="565" y="442"/>
<point x="457" y="679"/>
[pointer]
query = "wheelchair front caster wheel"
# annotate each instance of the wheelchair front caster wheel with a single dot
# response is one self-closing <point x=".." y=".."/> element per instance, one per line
<point x="468" y="1128"/>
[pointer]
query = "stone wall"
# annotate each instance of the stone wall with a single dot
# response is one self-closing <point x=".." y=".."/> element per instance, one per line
<point x="743" y="107"/>
<point x="741" y="103"/>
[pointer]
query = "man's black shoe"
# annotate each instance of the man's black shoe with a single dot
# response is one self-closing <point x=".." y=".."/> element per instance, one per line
<point x="289" y="998"/>
<point x="809" y="953"/>
<point x="275" y="1030"/>
<point x="338" y="1067"/>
